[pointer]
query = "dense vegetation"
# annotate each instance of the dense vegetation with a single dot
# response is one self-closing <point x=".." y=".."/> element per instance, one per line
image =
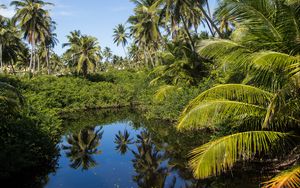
<point x="239" y="78"/>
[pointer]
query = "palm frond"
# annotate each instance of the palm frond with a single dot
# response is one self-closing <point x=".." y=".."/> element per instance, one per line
<point x="211" y="113"/>
<point x="164" y="91"/>
<point x="238" y="92"/>
<point x="287" y="179"/>
<point x="220" y="155"/>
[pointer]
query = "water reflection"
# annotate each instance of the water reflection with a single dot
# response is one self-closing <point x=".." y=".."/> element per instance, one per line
<point x="122" y="140"/>
<point x="136" y="152"/>
<point x="82" y="146"/>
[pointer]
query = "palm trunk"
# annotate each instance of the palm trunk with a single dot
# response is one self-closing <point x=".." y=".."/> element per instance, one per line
<point x="48" y="61"/>
<point x="1" y="58"/>
<point x="31" y="59"/>
<point x="125" y="51"/>
<point x="213" y="25"/>
<point x="38" y="62"/>
<point x="34" y="61"/>
<point x="12" y="68"/>
<point x="210" y="29"/>
<point x="188" y="33"/>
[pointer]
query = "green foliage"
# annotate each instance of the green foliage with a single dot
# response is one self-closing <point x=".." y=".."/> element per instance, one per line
<point x="220" y="155"/>
<point x="28" y="139"/>
<point x="66" y="94"/>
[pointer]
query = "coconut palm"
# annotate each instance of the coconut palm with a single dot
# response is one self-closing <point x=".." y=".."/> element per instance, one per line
<point x="120" y="36"/>
<point x="107" y="54"/>
<point x="11" y="46"/>
<point x="144" y="27"/>
<point x="182" y="12"/>
<point x="266" y="107"/>
<point x="84" y="51"/>
<point x="267" y="24"/>
<point x="82" y="146"/>
<point x="36" y="26"/>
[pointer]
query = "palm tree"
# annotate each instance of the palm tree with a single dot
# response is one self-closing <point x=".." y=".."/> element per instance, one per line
<point x="266" y="107"/>
<point x="11" y="45"/>
<point x="120" y="36"/>
<point x="145" y="27"/>
<point x="85" y="52"/>
<point x="107" y="53"/>
<point x="36" y="26"/>
<point x="262" y="25"/>
<point x="182" y="12"/>
<point x="82" y="146"/>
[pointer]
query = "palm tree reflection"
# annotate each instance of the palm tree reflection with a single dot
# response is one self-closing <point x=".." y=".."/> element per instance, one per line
<point x="147" y="160"/>
<point x="122" y="141"/>
<point x="82" y="146"/>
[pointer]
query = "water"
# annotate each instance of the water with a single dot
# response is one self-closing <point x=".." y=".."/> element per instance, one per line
<point x="120" y="149"/>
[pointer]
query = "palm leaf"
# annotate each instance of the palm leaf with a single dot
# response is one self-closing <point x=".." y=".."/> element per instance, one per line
<point x="238" y="92"/>
<point x="165" y="91"/>
<point x="220" y="155"/>
<point x="286" y="179"/>
<point x="211" y="113"/>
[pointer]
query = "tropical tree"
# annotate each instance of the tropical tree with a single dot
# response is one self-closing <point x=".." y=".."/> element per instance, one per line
<point x="107" y="54"/>
<point x="84" y="52"/>
<point x="144" y="27"/>
<point x="12" y="48"/>
<point x="82" y="146"/>
<point x="258" y="107"/>
<point x="267" y="24"/>
<point x="120" y="36"/>
<point x="36" y="24"/>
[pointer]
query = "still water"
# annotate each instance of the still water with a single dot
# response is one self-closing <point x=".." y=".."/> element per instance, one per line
<point x="120" y="149"/>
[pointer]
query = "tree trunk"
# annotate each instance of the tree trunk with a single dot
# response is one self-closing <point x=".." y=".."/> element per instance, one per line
<point x="32" y="61"/>
<point x="211" y="21"/>
<point x="124" y="51"/>
<point x="188" y="33"/>
<point x="12" y="68"/>
<point x="38" y="62"/>
<point x="1" y="58"/>
<point x="48" y="61"/>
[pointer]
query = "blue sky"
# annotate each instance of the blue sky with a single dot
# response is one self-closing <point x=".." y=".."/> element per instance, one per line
<point x="92" y="17"/>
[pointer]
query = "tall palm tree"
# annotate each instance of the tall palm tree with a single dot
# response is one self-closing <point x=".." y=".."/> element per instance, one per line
<point x="181" y="12"/>
<point x="82" y="146"/>
<point x="107" y="53"/>
<point x="120" y="36"/>
<point x="145" y="27"/>
<point x="85" y="52"/>
<point x="35" y="25"/>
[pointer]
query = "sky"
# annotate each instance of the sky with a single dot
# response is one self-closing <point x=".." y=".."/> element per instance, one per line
<point x="91" y="17"/>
